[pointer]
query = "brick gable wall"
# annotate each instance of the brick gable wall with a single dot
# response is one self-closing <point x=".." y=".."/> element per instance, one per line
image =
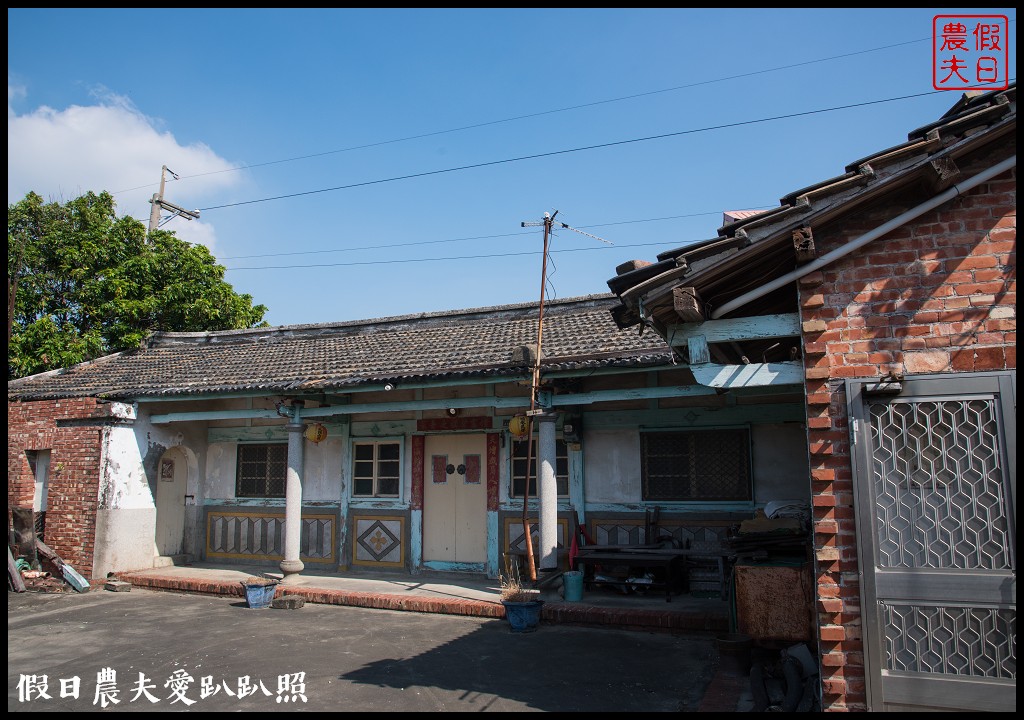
<point x="937" y="295"/>
<point x="73" y="485"/>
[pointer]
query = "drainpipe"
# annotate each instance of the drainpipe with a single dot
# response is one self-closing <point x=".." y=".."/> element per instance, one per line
<point x="291" y="565"/>
<point x="943" y="197"/>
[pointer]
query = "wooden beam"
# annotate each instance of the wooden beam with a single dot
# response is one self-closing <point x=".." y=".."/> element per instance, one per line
<point x="753" y="375"/>
<point x="485" y="401"/>
<point x="687" y="305"/>
<point x="759" y="327"/>
<point x="946" y="173"/>
<point x="698" y="350"/>
<point x="803" y="245"/>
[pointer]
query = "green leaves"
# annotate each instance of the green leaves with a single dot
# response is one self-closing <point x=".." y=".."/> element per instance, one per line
<point x="89" y="283"/>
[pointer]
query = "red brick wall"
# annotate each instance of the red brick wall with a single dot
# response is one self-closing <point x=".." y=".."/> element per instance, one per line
<point x="937" y="295"/>
<point x="73" y="492"/>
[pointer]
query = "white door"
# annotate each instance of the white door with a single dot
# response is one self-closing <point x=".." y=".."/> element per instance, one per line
<point x="172" y="476"/>
<point x="455" y="499"/>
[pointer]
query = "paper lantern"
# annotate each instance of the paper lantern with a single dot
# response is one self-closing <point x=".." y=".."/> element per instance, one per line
<point x="519" y="426"/>
<point x="315" y="433"/>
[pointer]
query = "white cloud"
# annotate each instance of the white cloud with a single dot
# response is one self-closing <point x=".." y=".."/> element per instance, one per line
<point x="14" y="92"/>
<point x="111" y="146"/>
<point x="194" y="231"/>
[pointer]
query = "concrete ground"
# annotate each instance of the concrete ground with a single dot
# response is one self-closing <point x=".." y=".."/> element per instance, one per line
<point x="444" y="646"/>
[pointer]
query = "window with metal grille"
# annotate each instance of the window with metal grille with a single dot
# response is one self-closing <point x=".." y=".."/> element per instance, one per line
<point x="696" y="465"/>
<point x="376" y="469"/>
<point x="262" y="468"/>
<point x="519" y="468"/>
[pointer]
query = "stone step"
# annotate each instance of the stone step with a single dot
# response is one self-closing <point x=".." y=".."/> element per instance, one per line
<point x="171" y="560"/>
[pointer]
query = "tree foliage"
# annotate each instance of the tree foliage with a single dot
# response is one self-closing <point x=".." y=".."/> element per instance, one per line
<point x="88" y="283"/>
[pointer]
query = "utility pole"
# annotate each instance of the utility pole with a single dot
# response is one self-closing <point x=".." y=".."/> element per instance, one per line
<point x="545" y="478"/>
<point x="534" y="388"/>
<point x="159" y="204"/>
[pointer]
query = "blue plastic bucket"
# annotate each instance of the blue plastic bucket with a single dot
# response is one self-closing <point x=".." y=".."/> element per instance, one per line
<point x="572" y="586"/>
<point x="259" y="596"/>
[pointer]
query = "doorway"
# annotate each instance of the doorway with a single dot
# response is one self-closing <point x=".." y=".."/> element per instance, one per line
<point x="455" y="500"/>
<point x="935" y="473"/>
<point x="171" y="484"/>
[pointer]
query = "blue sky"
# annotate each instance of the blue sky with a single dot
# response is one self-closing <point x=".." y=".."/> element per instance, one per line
<point x="246" y="105"/>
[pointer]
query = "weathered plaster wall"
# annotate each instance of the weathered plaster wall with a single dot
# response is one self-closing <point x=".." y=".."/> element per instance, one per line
<point x="126" y="516"/>
<point x="779" y="463"/>
<point x="321" y="475"/>
<point x="124" y="540"/>
<point x="611" y="466"/>
<point x="221" y="462"/>
<point x="155" y="440"/>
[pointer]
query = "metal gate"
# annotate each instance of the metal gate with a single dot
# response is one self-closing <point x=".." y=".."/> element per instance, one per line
<point x="934" y="461"/>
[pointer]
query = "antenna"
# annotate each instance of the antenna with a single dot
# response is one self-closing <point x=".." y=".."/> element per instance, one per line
<point x="607" y="242"/>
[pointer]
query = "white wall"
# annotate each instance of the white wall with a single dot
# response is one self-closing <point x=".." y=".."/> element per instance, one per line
<point x="321" y="476"/>
<point x="611" y="466"/>
<point x="126" y="516"/>
<point x="221" y="460"/>
<point x="321" y="481"/>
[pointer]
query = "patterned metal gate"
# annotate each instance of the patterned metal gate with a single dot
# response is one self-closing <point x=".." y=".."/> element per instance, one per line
<point x="935" y="475"/>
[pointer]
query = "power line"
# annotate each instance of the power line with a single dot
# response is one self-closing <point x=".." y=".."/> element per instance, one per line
<point x="542" y="112"/>
<point x="475" y="237"/>
<point x="445" y="259"/>
<point x="553" y="153"/>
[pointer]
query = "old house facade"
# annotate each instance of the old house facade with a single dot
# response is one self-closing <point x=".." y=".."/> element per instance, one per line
<point x="852" y="350"/>
<point x="396" y="433"/>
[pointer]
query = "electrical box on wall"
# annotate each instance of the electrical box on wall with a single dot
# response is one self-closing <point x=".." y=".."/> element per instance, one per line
<point x="572" y="431"/>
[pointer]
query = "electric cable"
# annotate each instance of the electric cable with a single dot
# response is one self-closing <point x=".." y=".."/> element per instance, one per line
<point x="538" y="114"/>
<point x="490" y="163"/>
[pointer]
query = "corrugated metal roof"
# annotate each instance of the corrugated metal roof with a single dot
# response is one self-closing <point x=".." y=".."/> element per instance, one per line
<point x="579" y="333"/>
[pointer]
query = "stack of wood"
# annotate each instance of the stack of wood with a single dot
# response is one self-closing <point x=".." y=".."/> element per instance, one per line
<point x="32" y="550"/>
<point x="763" y="536"/>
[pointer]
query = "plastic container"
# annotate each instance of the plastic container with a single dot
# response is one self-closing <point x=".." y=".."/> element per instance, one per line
<point x="572" y="586"/>
<point x="258" y="595"/>
<point x="523" y="616"/>
<point x="734" y="651"/>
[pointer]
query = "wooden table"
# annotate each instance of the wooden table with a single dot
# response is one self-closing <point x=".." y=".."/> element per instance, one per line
<point x="645" y="558"/>
<point x="636" y="553"/>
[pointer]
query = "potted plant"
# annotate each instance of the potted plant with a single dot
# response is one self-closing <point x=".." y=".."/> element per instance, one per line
<point x="522" y="604"/>
<point x="259" y="591"/>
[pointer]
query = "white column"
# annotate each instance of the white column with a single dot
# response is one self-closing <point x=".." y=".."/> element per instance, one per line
<point x="291" y="566"/>
<point x="547" y="490"/>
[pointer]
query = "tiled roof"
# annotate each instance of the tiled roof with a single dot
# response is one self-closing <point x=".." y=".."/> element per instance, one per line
<point x="579" y="333"/>
<point x="752" y="249"/>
